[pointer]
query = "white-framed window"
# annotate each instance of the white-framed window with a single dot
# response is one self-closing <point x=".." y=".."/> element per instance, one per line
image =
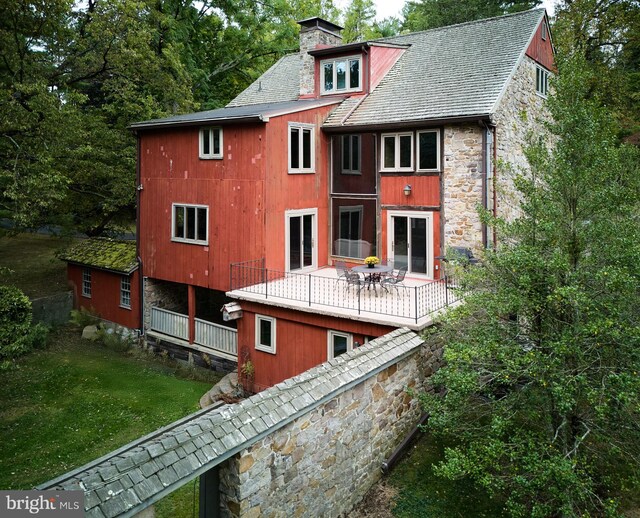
<point x="86" y="283"/>
<point x="397" y="152"/>
<point x="211" y="143"/>
<point x="542" y="81"/>
<point x="190" y="223"/>
<point x="301" y="148"/>
<point x="338" y="343"/>
<point x="125" y="292"/>
<point x="429" y="150"/>
<point x="351" y="154"/>
<point x="544" y="31"/>
<point x="341" y="75"/>
<point x="266" y="334"/>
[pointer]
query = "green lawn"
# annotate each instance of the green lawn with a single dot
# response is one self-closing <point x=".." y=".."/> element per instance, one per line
<point x="77" y="400"/>
<point x="37" y="272"/>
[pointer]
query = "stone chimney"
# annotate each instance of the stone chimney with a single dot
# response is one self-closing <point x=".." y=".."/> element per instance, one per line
<point x="314" y="33"/>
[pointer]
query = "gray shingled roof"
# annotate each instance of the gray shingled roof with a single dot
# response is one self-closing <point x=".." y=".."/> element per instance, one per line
<point x="450" y="72"/>
<point x="458" y="71"/>
<point x="126" y="481"/>
<point x="280" y="83"/>
<point x="257" y="112"/>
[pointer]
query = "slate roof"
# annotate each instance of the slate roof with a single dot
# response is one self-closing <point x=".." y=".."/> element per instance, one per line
<point x="106" y="254"/>
<point x="126" y="481"/>
<point x="459" y="71"/>
<point x="253" y="112"/>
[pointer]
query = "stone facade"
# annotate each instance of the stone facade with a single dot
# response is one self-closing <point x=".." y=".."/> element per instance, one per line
<point x="519" y="117"/>
<point x="324" y="462"/>
<point x="170" y="296"/>
<point x="462" y="185"/>
<point x="310" y="38"/>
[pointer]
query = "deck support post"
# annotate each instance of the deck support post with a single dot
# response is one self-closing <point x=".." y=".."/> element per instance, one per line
<point x="191" y="295"/>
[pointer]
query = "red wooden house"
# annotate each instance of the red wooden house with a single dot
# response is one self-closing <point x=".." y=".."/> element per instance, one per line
<point x="381" y="148"/>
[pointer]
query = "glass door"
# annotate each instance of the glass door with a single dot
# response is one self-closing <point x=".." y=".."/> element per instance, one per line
<point x="301" y="253"/>
<point x="410" y="241"/>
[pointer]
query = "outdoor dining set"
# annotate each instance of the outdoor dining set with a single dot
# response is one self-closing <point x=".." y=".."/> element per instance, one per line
<point x="371" y="276"/>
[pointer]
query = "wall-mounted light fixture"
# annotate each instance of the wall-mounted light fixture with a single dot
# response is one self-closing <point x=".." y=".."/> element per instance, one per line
<point x="407" y="190"/>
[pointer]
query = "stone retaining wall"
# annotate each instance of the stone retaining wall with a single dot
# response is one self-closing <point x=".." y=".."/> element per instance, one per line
<point x="54" y="309"/>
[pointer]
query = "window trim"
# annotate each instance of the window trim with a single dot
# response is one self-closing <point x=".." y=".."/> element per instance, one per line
<point x="349" y="139"/>
<point x="211" y="155"/>
<point x="330" y="335"/>
<point x="258" y="345"/>
<point x="542" y="78"/>
<point x="396" y="166"/>
<point x="125" y="279"/>
<point x="438" y="153"/>
<point x="335" y="90"/>
<point x="301" y="126"/>
<point x="86" y="282"/>
<point x="196" y="241"/>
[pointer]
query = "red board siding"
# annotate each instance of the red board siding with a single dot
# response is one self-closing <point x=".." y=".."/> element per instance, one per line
<point x="425" y="190"/>
<point x="382" y="59"/>
<point x="105" y="299"/>
<point x="301" y="341"/>
<point x="541" y="50"/>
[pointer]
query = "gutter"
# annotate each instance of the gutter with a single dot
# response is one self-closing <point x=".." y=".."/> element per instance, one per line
<point x="421" y="123"/>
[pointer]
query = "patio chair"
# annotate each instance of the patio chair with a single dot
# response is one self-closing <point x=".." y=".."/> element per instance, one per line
<point x="353" y="279"/>
<point x="341" y="270"/>
<point x="393" y="281"/>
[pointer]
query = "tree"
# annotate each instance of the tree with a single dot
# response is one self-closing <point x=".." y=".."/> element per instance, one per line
<point x="428" y="14"/>
<point x="358" y="22"/>
<point x="541" y="385"/>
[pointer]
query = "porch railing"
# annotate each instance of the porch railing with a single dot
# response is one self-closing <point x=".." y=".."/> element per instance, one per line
<point x="217" y="337"/>
<point x="170" y="323"/>
<point x="407" y="302"/>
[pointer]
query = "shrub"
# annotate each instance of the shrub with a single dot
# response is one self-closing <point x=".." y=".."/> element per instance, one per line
<point x="17" y="335"/>
<point x="84" y="317"/>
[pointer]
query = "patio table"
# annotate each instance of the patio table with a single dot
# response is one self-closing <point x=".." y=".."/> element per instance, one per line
<point x="372" y="275"/>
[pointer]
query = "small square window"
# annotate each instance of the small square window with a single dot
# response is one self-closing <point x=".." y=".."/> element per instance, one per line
<point x="338" y="343"/>
<point x="211" y="143"/>
<point x="86" y="283"/>
<point x="397" y="152"/>
<point x="125" y="292"/>
<point x="266" y="334"/>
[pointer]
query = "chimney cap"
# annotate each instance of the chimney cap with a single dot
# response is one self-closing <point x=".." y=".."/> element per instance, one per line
<point x="318" y="23"/>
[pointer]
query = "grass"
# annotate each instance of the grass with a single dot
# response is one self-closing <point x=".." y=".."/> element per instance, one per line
<point x="37" y="271"/>
<point x="420" y="494"/>
<point x="69" y="404"/>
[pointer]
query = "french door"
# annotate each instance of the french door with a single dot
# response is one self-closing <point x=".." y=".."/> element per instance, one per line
<point x="301" y="237"/>
<point x="410" y="241"/>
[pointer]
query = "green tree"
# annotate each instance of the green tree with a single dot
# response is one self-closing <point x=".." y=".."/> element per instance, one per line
<point x="358" y="23"/>
<point x="428" y="14"/>
<point x="542" y="379"/>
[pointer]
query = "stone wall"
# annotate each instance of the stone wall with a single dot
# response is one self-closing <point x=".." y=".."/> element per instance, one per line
<point x="519" y="117"/>
<point x="462" y="185"/>
<point x="309" y="40"/>
<point x="54" y="309"/>
<point x="165" y="295"/>
<point x="325" y="461"/>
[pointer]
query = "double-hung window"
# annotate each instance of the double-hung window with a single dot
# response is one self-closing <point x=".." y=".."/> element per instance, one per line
<point x="301" y="148"/>
<point x="211" y="143"/>
<point x="341" y="75"/>
<point x="397" y="152"/>
<point x="190" y="224"/>
<point x="542" y="81"/>
<point x="266" y="334"/>
<point x="428" y="150"/>
<point x="125" y="292"/>
<point x="351" y="154"/>
<point x="86" y="283"/>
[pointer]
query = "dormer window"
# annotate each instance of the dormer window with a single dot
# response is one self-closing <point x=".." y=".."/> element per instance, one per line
<point x="341" y="75"/>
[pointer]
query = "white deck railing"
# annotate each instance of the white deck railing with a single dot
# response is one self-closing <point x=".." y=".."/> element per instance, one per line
<point x="217" y="337"/>
<point x="170" y="323"/>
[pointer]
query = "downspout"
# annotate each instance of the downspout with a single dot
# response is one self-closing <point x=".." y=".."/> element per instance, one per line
<point x="495" y="183"/>
<point x="485" y="180"/>
<point x="140" y="269"/>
